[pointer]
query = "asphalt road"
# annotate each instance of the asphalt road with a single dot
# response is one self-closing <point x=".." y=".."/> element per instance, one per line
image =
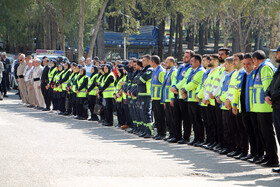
<point x="42" y="149"/>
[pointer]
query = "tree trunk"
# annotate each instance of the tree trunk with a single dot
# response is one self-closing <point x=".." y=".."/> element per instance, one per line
<point x="53" y="38"/>
<point x="191" y="38"/>
<point x="222" y="20"/>
<point x="201" y="40"/>
<point x="216" y="36"/>
<point x="81" y="29"/>
<point x="100" y="42"/>
<point x="274" y="37"/>
<point x="93" y="39"/>
<point x="235" y="41"/>
<point x="171" y="36"/>
<point x="206" y="36"/>
<point x="176" y="38"/>
<point x="180" y="46"/>
<point x="248" y="47"/>
<point x="160" y="39"/>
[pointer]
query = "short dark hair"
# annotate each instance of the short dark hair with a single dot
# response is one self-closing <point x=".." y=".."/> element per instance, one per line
<point x="259" y="54"/>
<point x="190" y="51"/>
<point x="227" y="50"/>
<point x="248" y="55"/>
<point x="239" y="55"/>
<point x="197" y="57"/>
<point x="171" y="58"/>
<point x="216" y="56"/>
<point x="147" y="56"/>
<point x="206" y="56"/>
<point x="139" y="63"/>
<point x="96" y="58"/>
<point x="155" y="59"/>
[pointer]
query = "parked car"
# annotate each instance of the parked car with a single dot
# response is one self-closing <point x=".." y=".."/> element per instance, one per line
<point x="51" y="54"/>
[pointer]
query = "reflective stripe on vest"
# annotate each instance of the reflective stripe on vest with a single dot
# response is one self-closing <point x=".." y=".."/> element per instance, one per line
<point x="110" y="90"/>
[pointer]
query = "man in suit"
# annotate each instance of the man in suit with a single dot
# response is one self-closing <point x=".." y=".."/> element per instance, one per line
<point x="6" y="72"/>
<point x="44" y="82"/>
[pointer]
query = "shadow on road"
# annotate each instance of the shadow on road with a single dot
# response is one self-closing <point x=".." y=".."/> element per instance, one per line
<point x="203" y="162"/>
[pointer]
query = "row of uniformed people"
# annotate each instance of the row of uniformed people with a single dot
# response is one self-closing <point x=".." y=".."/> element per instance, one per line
<point x="218" y="101"/>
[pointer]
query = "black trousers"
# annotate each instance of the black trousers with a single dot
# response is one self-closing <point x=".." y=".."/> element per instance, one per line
<point x="81" y="111"/>
<point x="5" y="82"/>
<point x="127" y="114"/>
<point x="241" y="136"/>
<point x="170" y="122"/>
<point x="228" y="129"/>
<point x="276" y="121"/>
<point x="212" y="124"/>
<point x="46" y="95"/>
<point x="158" y="110"/>
<point x="91" y="105"/>
<point x="68" y="103"/>
<point x="108" y="110"/>
<point x="251" y="132"/>
<point x="145" y="109"/>
<point x="264" y="121"/>
<point x="120" y="113"/>
<point x="74" y="104"/>
<point x="196" y="120"/>
<point x="181" y="114"/>
<point x="62" y="99"/>
<point x="219" y="124"/>
<point x="203" y="111"/>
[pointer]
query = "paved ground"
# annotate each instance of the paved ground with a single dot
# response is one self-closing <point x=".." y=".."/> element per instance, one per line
<point x="43" y="149"/>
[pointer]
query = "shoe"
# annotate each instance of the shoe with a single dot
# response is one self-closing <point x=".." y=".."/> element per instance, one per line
<point x="182" y="141"/>
<point x="46" y="109"/>
<point x="233" y="153"/>
<point x="261" y="161"/>
<point x="240" y="156"/>
<point x="270" y="164"/>
<point x="123" y="127"/>
<point x="77" y="117"/>
<point x="155" y="136"/>
<point x="159" y="138"/>
<point x="60" y="113"/>
<point x="197" y="144"/>
<point x="276" y="170"/>
<point x="30" y="106"/>
<point x="206" y="146"/>
<point x="91" y="119"/>
<point x="107" y="124"/>
<point x="224" y="151"/>
<point x="100" y="121"/>
<point x="5" y="95"/>
<point x="40" y="108"/>
<point x="201" y="144"/>
<point x="212" y="146"/>
<point x="247" y="157"/>
<point x="67" y="113"/>
<point x="167" y="138"/>
<point x="17" y="93"/>
<point x="255" y="159"/>
<point x="173" y="140"/>
<point x="143" y="134"/>
<point x="81" y="118"/>
<point x="192" y="142"/>
<point x="148" y="134"/>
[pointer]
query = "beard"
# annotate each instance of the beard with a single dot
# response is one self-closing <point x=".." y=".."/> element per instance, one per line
<point x="210" y="65"/>
<point x="221" y="60"/>
<point x="278" y="60"/>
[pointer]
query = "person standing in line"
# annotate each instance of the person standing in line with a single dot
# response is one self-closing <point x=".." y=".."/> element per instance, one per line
<point x="180" y="106"/>
<point x="1" y="77"/>
<point x="28" y="78"/>
<point x="37" y="73"/>
<point x="44" y="83"/>
<point x="157" y="106"/>
<point x="81" y="96"/>
<point x="7" y="71"/>
<point x="167" y="97"/>
<point x="20" y="79"/>
<point x="188" y="94"/>
<point x="263" y="111"/>
<point x="272" y="97"/>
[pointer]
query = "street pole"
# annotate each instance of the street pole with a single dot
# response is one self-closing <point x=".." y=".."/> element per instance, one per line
<point x="124" y="46"/>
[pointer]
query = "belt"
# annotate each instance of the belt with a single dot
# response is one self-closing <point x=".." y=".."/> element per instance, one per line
<point x="20" y="76"/>
<point x="36" y="79"/>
